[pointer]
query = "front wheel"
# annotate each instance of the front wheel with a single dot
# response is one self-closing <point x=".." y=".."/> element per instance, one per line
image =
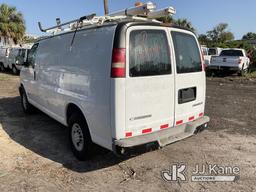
<point x="80" y="139"/>
<point x="15" y="70"/>
<point x="26" y="106"/>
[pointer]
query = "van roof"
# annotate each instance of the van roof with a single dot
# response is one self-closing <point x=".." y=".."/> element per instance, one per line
<point x="122" y="25"/>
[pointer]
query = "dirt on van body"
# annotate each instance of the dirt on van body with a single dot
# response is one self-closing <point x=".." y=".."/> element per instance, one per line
<point x="35" y="155"/>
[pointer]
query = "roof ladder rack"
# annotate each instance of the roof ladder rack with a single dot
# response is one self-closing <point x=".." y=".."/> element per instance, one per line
<point x="59" y="24"/>
<point x="142" y="11"/>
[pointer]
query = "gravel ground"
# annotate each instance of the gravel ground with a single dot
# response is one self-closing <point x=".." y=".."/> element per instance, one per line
<point x="35" y="154"/>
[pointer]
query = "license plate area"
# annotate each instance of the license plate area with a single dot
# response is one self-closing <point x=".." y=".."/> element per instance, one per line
<point x="187" y="95"/>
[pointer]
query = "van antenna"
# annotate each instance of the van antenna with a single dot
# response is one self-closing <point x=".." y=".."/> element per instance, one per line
<point x="89" y="17"/>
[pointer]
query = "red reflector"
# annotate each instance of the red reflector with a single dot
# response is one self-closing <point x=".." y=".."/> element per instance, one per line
<point x="128" y="134"/>
<point x="191" y="118"/>
<point x="147" y="130"/>
<point x="201" y="114"/>
<point x="118" y="63"/>
<point x="164" y="126"/>
<point x="179" y="122"/>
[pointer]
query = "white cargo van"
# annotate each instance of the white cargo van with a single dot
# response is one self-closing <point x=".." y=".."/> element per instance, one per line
<point x="16" y="59"/>
<point x="4" y="54"/>
<point x="119" y="84"/>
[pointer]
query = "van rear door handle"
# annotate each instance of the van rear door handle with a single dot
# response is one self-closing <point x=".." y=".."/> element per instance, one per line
<point x="187" y="95"/>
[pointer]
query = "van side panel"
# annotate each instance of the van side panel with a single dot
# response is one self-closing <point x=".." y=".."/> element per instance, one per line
<point x="79" y="74"/>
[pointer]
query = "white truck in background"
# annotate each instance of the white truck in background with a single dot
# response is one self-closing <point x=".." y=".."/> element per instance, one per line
<point x="211" y="52"/>
<point x="232" y="60"/>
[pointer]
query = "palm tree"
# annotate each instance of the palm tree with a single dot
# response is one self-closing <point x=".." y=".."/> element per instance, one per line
<point x="106" y="7"/>
<point x="184" y="23"/>
<point x="166" y="19"/>
<point x="12" y="24"/>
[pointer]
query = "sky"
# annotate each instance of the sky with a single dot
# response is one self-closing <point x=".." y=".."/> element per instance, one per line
<point x="204" y="14"/>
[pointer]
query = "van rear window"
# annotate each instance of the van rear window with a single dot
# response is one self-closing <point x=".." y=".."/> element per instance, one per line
<point x="149" y="53"/>
<point x="188" y="58"/>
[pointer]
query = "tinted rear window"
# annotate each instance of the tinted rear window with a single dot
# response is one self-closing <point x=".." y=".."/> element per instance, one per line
<point x="188" y="58"/>
<point x="149" y="53"/>
<point x="231" y="53"/>
<point x="212" y="52"/>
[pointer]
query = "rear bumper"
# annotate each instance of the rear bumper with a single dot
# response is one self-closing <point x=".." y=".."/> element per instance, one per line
<point x="218" y="67"/>
<point x="164" y="137"/>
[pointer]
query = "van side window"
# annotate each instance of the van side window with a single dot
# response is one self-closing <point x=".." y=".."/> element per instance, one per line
<point x="32" y="55"/>
<point x="149" y="53"/>
<point x="187" y="53"/>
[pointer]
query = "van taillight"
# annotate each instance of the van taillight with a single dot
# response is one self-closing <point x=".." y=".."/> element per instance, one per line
<point x="118" y="63"/>
<point x="239" y="61"/>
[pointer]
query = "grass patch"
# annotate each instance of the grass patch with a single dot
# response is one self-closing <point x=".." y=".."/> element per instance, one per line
<point x="3" y="77"/>
<point x="251" y="74"/>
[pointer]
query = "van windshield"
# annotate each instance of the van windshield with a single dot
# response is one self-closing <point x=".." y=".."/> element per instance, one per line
<point x="149" y="53"/>
<point x="187" y="53"/>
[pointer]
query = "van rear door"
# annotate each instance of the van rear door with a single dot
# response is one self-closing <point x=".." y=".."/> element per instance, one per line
<point x="149" y="81"/>
<point x="189" y="78"/>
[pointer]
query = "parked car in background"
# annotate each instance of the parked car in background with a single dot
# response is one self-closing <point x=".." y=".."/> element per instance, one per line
<point x="231" y="59"/>
<point x="17" y="58"/>
<point x="4" y="54"/>
<point x="118" y="85"/>
<point x="211" y="52"/>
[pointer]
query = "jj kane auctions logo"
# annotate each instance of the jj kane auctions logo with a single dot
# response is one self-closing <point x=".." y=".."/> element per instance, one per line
<point x="202" y="173"/>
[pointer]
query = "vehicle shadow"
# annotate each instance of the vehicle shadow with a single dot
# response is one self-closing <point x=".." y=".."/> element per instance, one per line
<point x="220" y="74"/>
<point x="49" y="139"/>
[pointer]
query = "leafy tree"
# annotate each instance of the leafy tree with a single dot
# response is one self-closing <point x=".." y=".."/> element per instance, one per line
<point x="203" y="39"/>
<point x="185" y="23"/>
<point x="219" y="34"/>
<point x="249" y="36"/>
<point x="12" y="24"/>
<point x="166" y="19"/>
<point x="179" y="22"/>
<point x="28" y="39"/>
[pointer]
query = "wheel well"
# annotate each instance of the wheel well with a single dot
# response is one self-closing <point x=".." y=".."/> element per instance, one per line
<point x="71" y="109"/>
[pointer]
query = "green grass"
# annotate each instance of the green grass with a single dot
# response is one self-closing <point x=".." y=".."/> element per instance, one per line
<point x="251" y="74"/>
<point x="3" y="77"/>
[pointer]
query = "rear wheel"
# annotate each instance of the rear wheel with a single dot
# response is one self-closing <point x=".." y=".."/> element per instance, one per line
<point x="26" y="106"/>
<point x="244" y="71"/>
<point x="80" y="139"/>
<point x="2" y="67"/>
<point x="15" y="70"/>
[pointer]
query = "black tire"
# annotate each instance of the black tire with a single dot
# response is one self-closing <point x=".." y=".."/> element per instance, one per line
<point x="15" y="71"/>
<point x="2" y="67"/>
<point x="79" y="136"/>
<point x="243" y="72"/>
<point x="26" y="106"/>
